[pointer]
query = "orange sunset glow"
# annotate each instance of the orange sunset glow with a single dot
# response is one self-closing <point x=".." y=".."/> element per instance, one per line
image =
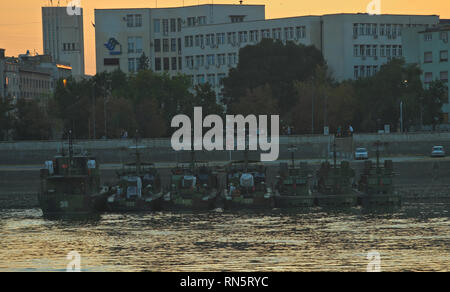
<point x="21" y="24"/>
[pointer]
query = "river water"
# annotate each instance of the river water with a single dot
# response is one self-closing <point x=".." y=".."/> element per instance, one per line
<point x="415" y="237"/>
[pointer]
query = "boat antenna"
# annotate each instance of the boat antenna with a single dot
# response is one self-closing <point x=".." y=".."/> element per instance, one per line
<point x="70" y="150"/>
<point x="138" y="156"/>
<point x="377" y="144"/>
<point x="292" y="149"/>
<point x="334" y="152"/>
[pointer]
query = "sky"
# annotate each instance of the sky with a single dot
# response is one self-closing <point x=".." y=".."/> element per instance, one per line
<point x="21" y="21"/>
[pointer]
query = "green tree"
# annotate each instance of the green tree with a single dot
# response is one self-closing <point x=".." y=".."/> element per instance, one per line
<point x="143" y="62"/>
<point x="434" y="97"/>
<point x="273" y="63"/>
<point x="6" y="116"/>
<point x="32" y="123"/>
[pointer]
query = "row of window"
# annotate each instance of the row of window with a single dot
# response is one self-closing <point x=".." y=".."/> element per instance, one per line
<point x="36" y="83"/>
<point x="212" y="79"/>
<point x="195" y="62"/>
<point x="134" y="20"/>
<point x="443" y="76"/>
<point x="200" y="40"/>
<point x="374" y="29"/>
<point x="167" y="64"/>
<point x="428" y="57"/>
<point x="443" y="36"/>
<point x="372" y="51"/>
<point x="363" y="71"/>
<point x="67" y="47"/>
<point x="135" y="45"/>
<point x="168" y="45"/>
<point x="168" y="25"/>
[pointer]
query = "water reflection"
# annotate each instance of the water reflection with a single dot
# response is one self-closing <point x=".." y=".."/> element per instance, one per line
<point x="413" y="237"/>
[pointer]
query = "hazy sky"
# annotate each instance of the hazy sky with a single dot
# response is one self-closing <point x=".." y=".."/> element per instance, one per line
<point x="21" y="25"/>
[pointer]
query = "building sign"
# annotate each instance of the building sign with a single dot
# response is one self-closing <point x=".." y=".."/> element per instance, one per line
<point x="114" y="47"/>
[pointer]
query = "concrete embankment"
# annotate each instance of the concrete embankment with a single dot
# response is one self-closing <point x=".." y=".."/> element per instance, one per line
<point x="159" y="150"/>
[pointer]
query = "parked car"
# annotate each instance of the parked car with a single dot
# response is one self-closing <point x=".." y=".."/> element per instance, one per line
<point x="361" y="154"/>
<point x="437" y="151"/>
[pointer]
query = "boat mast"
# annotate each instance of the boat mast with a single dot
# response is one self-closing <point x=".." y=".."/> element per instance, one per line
<point x="138" y="156"/>
<point x="70" y="151"/>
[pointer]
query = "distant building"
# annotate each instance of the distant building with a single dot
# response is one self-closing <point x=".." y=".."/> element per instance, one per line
<point x="63" y="37"/>
<point x="429" y="49"/>
<point x="203" y="41"/>
<point x="30" y="77"/>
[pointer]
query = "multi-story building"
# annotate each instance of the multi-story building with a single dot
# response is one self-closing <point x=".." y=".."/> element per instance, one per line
<point x="429" y="49"/>
<point x="203" y="41"/>
<point x="63" y="37"/>
<point x="30" y="77"/>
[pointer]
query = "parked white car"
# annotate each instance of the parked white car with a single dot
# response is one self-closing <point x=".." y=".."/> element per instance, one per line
<point x="361" y="154"/>
<point x="437" y="151"/>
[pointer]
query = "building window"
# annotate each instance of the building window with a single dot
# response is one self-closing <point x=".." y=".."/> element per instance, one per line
<point x="173" y="25"/>
<point x="237" y="18"/>
<point x="157" y="64"/>
<point x="111" y="62"/>
<point x="210" y="59"/>
<point x="444" y="76"/>
<point x="189" y="41"/>
<point x="428" y="77"/>
<point x="166" y="64"/>
<point x="220" y="38"/>
<point x="212" y="80"/>
<point x="443" y="56"/>
<point x="191" y="21"/>
<point x="368" y="51"/>
<point x="156" y="26"/>
<point x="200" y="79"/>
<point x="173" y="45"/>
<point x="165" y="45"/>
<point x="388" y="50"/>
<point x="130" y="20"/>
<point x="157" y="45"/>
<point x="382" y="29"/>
<point x="131" y="65"/>
<point x="394" y="50"/>
<point x="382" y="51"/>
<point x="362" y="71"/>
<point x="138" y="20"/>
<point x="443" y="36"/>
<point x="166" y="26"/>
<point x="174" y="63"/>
<point x="362" y="52"/>
<point x="179" y="24"/>
<point x="400" y="50"/>
<point x="180" y="63"/>
<point x="355" y="29"/>
<point x="265" y="33"/>
<point x="131" y="45"/>
<point x="355" y="72"/>
<point x="428" y="57"/>
<point x="201" y="20"/>
<point x="428" y="37"/>
<point x="220" y="78"/>
<point x="374" y="50"/>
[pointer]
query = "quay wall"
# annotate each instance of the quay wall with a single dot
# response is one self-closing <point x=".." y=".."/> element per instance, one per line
<point x="159" y="150"/>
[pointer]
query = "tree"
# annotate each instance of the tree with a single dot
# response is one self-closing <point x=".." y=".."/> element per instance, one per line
<point x="32" y="123"/>
<point x="6" y="116"/>
<point x="143" y="62"/>
<point x="257" y="101"/>
<point x="205" y="97"/>
<point x="434" y="97"/>
<point x="273" y="63"/>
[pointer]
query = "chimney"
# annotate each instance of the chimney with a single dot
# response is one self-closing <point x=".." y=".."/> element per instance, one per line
<point x="2" y="53"/>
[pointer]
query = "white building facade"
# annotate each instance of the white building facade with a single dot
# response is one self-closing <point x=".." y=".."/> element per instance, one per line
<point x="64" y="38"/>
<point x="429" y="49"/>
<point x="203" y="41"/>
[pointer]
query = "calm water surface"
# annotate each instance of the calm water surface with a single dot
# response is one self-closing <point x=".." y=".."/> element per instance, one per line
<point x="415" y="237"/>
